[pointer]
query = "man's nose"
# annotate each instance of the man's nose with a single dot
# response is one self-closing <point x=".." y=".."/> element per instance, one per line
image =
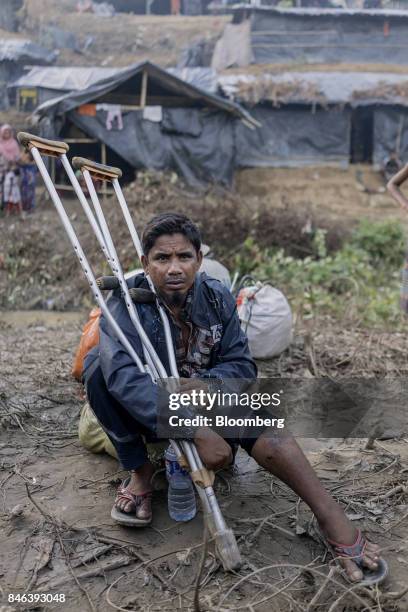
<point x="174" y="266"/>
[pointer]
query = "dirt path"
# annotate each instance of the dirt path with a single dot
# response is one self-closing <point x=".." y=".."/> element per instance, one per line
<point x="56" y="497"/>
<point x="340" y="195"/>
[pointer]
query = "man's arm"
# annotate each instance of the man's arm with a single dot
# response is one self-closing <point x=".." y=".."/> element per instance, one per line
<point x="133" y="389"/>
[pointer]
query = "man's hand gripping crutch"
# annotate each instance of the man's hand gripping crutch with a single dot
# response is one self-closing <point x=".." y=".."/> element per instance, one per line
<point x="186" y="451"/>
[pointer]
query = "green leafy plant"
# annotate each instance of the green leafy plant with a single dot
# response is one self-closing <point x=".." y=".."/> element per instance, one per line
<point x="362" y="279"/>
<point x="383" y="241"/>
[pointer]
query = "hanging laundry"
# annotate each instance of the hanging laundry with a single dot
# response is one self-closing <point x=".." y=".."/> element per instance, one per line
<point x="114" y="113"/>
<point x="153" y="113"/>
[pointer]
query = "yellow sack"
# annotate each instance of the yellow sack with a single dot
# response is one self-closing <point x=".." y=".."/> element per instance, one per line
<point x="93" y="438"/>
<point x="91" y="434"/>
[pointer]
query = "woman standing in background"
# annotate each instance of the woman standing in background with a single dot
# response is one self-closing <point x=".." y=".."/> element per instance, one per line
<point x="9" y="154"/>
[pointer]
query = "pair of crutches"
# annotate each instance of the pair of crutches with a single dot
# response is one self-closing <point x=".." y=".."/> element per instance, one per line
<point x="186" y="451"/>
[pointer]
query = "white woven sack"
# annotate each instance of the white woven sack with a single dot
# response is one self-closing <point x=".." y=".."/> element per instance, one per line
<point x="266" y="318"/>
<point x="215" y="269"/>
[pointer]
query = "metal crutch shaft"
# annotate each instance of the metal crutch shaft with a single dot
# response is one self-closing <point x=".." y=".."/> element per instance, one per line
<point x="91" y="169"/>
<point x="110" y="173"/>
<point x="149" y="351"/>
<point x="138" y="246"/>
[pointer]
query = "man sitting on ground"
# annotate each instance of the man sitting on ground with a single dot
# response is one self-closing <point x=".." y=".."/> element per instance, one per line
<point x="209" y="344"/>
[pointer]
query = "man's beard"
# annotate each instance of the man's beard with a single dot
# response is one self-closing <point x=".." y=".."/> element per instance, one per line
<point x="175" y="299"/>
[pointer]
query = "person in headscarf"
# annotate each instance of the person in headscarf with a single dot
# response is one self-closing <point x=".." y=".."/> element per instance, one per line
<point x="9" y="154"/>
<point x="9" y="146"/>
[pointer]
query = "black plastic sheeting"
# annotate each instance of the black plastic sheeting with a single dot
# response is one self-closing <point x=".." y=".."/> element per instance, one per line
<point x="198" y="155"/>
<point x="390" y="134"/>
<point x="282" y="38"/>
<point x="294" y="137"/>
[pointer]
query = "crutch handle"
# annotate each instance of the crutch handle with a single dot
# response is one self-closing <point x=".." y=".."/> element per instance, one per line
<point x="107" y="283"/>
<point x="99" y="171"/>
<point x="393" y="187"/>
<point x="53" y="148"/>
<point x="139" y="295"/>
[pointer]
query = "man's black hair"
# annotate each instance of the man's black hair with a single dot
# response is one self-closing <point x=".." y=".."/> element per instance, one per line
<point x="170" y="223"/>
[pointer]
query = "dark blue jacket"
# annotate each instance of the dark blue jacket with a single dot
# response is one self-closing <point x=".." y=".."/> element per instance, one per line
<point x="212" y="307"/>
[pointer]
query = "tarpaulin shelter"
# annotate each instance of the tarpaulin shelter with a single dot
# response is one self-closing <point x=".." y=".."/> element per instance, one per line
<point x="14" y="55"/>
<point x="146" y="117"/>
<point x="312" y="35"/>
<point x="314" y="118"/>
<point x="42" y="83"/>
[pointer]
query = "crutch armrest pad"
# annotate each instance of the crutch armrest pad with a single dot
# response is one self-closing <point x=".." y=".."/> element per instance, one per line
<point x="99" y="170"/>
<point x="45" y="146"/>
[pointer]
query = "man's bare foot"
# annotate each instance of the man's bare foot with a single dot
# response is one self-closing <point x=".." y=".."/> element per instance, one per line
<point x="139" y="483"/>
<point x="337" y="528"/>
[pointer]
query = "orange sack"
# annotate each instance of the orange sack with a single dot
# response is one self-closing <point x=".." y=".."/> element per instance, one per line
<point x="89" y="339"/>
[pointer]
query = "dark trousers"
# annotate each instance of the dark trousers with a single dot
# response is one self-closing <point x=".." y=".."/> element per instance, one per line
<point x="122" y="429"/>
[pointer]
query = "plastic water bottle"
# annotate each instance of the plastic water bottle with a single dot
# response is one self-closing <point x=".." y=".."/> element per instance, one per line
<point x="181" y="497"/>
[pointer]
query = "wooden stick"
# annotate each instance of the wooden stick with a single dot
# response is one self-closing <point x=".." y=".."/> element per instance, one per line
<point x="143" y="94"/>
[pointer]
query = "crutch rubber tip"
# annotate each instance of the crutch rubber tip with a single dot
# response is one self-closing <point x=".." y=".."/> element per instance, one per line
<point x="107" y="283"/>
<point x="49" y="147"/>
<point x="227" y="550"/>
<point x="105" y="173"/>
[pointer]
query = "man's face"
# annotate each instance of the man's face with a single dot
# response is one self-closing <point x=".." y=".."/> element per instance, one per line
<point x="172" y="264"/>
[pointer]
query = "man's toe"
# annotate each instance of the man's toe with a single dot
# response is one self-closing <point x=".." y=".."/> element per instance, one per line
<point x="353" y="572"/>
<point x="370" y="562"/>
<point x="371" y="556"/>
<point x="122" y="505"/>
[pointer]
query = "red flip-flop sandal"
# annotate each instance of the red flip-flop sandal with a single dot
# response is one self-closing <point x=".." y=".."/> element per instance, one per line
<point x="355" y="552"/>
<point x="141" y="510"/>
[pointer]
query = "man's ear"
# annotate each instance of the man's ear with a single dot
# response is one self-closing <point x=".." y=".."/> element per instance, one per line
<point x="145" y="263"/>
<point x="199" y="258"/>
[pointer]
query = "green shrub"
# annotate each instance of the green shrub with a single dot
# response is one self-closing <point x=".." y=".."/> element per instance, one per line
<point x="383" y="241"/>
<point x="361" y="280"/>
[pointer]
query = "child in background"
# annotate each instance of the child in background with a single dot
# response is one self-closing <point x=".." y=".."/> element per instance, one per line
<point x="12" y="194"/>
<point x="28" y="174"/>
<point x="3" y="170"/>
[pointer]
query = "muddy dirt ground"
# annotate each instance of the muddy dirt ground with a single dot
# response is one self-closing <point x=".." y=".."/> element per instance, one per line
<point x="55" y="501"/>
